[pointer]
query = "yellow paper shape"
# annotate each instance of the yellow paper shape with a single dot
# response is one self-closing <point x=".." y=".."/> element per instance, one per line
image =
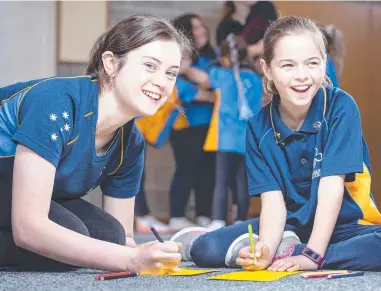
<point x="259" y="276"/>
<point x="189" y="272"/>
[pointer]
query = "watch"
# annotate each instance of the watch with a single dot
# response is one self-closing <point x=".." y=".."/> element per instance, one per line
<point x="313" y="256"/>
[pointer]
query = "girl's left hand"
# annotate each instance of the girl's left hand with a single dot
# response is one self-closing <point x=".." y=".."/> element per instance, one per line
<point x="295" y="263"/>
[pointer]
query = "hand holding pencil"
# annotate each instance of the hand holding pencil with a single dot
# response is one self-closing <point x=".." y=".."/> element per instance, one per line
<point x="254" y="257"/>
<point x="157" y="258"/>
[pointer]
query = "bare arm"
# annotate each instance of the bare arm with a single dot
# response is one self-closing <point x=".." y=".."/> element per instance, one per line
<point x="32" y="187"/>
<point x="122" y="210"/>
<point x="272" y="220"/>
<point x="330" y="197"/>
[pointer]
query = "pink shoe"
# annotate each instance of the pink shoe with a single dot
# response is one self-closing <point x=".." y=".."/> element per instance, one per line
<point x="143" y="224"/>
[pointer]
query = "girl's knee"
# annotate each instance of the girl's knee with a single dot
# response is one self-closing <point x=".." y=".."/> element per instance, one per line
<point x="112" y="231"/>
<point x="205" y="252"/>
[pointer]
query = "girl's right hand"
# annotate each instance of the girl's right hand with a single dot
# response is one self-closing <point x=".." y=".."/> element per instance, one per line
<point x="155" y="258"/>
<point x="246" y="258"/>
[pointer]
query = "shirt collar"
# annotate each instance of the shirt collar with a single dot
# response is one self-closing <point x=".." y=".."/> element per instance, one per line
<point x="311" y="124"/>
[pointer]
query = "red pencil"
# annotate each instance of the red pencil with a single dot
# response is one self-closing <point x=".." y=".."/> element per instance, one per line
<point x="117" y="275"/>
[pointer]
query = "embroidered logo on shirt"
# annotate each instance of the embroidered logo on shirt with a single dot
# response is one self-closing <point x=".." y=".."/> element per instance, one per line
<point x="317" y="159"/>
<point x="65" y="127"/>
<point x="53" y="117"/>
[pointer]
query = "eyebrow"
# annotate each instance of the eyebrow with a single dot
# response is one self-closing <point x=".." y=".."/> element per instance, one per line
<point x="158" y="61"/>
<point x="291" y="61"/>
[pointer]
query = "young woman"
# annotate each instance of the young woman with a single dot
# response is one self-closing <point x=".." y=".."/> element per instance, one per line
<point x="194" y="167"/>
<point x="307" y="159"/>
<point x="63" y="136"/>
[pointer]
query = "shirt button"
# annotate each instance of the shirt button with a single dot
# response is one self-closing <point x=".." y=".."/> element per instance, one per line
<point x="303" y="161"/>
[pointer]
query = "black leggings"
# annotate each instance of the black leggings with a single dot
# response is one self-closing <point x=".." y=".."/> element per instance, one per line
<point x="195" y="169"/>
<point x="230" y="166"/>
<point x="76" y="214"/>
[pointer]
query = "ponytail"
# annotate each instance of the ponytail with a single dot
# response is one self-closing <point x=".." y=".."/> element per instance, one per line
<point x="244" y="110"/>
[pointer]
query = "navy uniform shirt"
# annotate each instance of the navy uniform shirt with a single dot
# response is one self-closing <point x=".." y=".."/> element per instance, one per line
<point x="330" y="142"/>
<point x="56" y="118"/>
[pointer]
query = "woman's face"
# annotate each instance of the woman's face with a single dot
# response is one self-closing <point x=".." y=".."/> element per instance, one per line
<point x="200" y="33"/>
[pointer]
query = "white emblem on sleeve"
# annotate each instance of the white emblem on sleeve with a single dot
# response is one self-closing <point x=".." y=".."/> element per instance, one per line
<point x="65" y="115"/>
<point x="53" y="137"/>
<point x="67" y="127"/>
<point x="53" y="117"/>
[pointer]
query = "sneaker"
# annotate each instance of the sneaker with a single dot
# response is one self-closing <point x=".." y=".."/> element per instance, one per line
<point x="237" y="221"/>
<point x="216" y="224"/>
<point x="179" y="223"/>
<point x="203" y="221"/>
<point x="187" y="237"/>
<point x="143" y="224"/>
<point x="285" y="249"/>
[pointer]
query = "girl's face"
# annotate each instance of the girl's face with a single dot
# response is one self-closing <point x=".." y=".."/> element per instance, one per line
<point x="148" y="77"/>
<point x="297" y="69"/>
<point x="200" y="33"/>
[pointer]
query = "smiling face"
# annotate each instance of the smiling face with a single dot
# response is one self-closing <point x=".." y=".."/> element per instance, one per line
<point x="297" y="68"/>
<point x="146" y="80"/>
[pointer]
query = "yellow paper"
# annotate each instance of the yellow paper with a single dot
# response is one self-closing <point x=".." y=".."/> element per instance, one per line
<point x="260" y="276"/>
<point x="189" y="272"/>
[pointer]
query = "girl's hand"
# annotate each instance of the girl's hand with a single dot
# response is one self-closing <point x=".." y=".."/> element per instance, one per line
<point x="295" y="263"/>
<point x="260" y="260"/>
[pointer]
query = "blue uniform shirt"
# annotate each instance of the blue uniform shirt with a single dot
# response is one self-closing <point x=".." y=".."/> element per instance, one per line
<point x="330" y="142"/>
<point x="56" y="118"/>
<point x="331" y="72"/>
<point x="227" y="131"/>
<point x="197" y="113"/>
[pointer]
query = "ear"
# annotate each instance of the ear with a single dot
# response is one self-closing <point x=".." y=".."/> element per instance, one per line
<point x="266" y="70"/>
<point x="109" y="63"/>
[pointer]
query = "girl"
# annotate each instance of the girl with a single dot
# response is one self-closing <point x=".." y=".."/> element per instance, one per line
<point x="307" y="159"/>
<point x="63" y="136"/>
<point x="194" y="166"/>
<point x="239" y="92"/>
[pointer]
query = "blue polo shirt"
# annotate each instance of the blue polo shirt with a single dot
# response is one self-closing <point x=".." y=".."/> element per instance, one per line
<point x="56" y="118"/>
<point x="197" y="113"/>
<point x="330" y="142"/>
<point x="227" y="132"/>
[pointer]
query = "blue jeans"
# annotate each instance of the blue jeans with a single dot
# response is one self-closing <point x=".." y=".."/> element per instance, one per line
<point x="352" y="246"/>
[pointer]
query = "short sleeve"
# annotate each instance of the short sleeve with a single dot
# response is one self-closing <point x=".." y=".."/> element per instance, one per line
<point x="125" y="182"/>
<point x="260" y="177"/>
<point x="186" y="91"/>
<point x="45" y="122"/>
<point x="343" y="153"/>
<point x="215" y="76"/>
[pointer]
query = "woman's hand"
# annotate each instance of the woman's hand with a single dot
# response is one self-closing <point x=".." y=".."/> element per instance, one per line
<point x="155" y="258"/>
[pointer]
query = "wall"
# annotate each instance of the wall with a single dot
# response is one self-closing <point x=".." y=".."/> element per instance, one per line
<point x="28" y="44"/>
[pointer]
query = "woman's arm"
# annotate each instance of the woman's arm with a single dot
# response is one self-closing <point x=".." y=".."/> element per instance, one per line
<point x="32" y="229"/>
<point x="272" y="220"/>
<point x="330" y="197"/>
<point x="123" y="210"/>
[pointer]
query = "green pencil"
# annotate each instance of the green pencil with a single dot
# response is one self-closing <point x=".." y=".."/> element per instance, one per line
<point x="252" y="244"/>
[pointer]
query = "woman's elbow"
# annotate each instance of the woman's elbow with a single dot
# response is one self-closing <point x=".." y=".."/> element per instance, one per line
<point x="22" y="230"/>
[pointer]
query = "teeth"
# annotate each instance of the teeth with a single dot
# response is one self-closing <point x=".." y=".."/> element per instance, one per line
<point x="301" y="88"/>
<point x="152" y="95"/>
